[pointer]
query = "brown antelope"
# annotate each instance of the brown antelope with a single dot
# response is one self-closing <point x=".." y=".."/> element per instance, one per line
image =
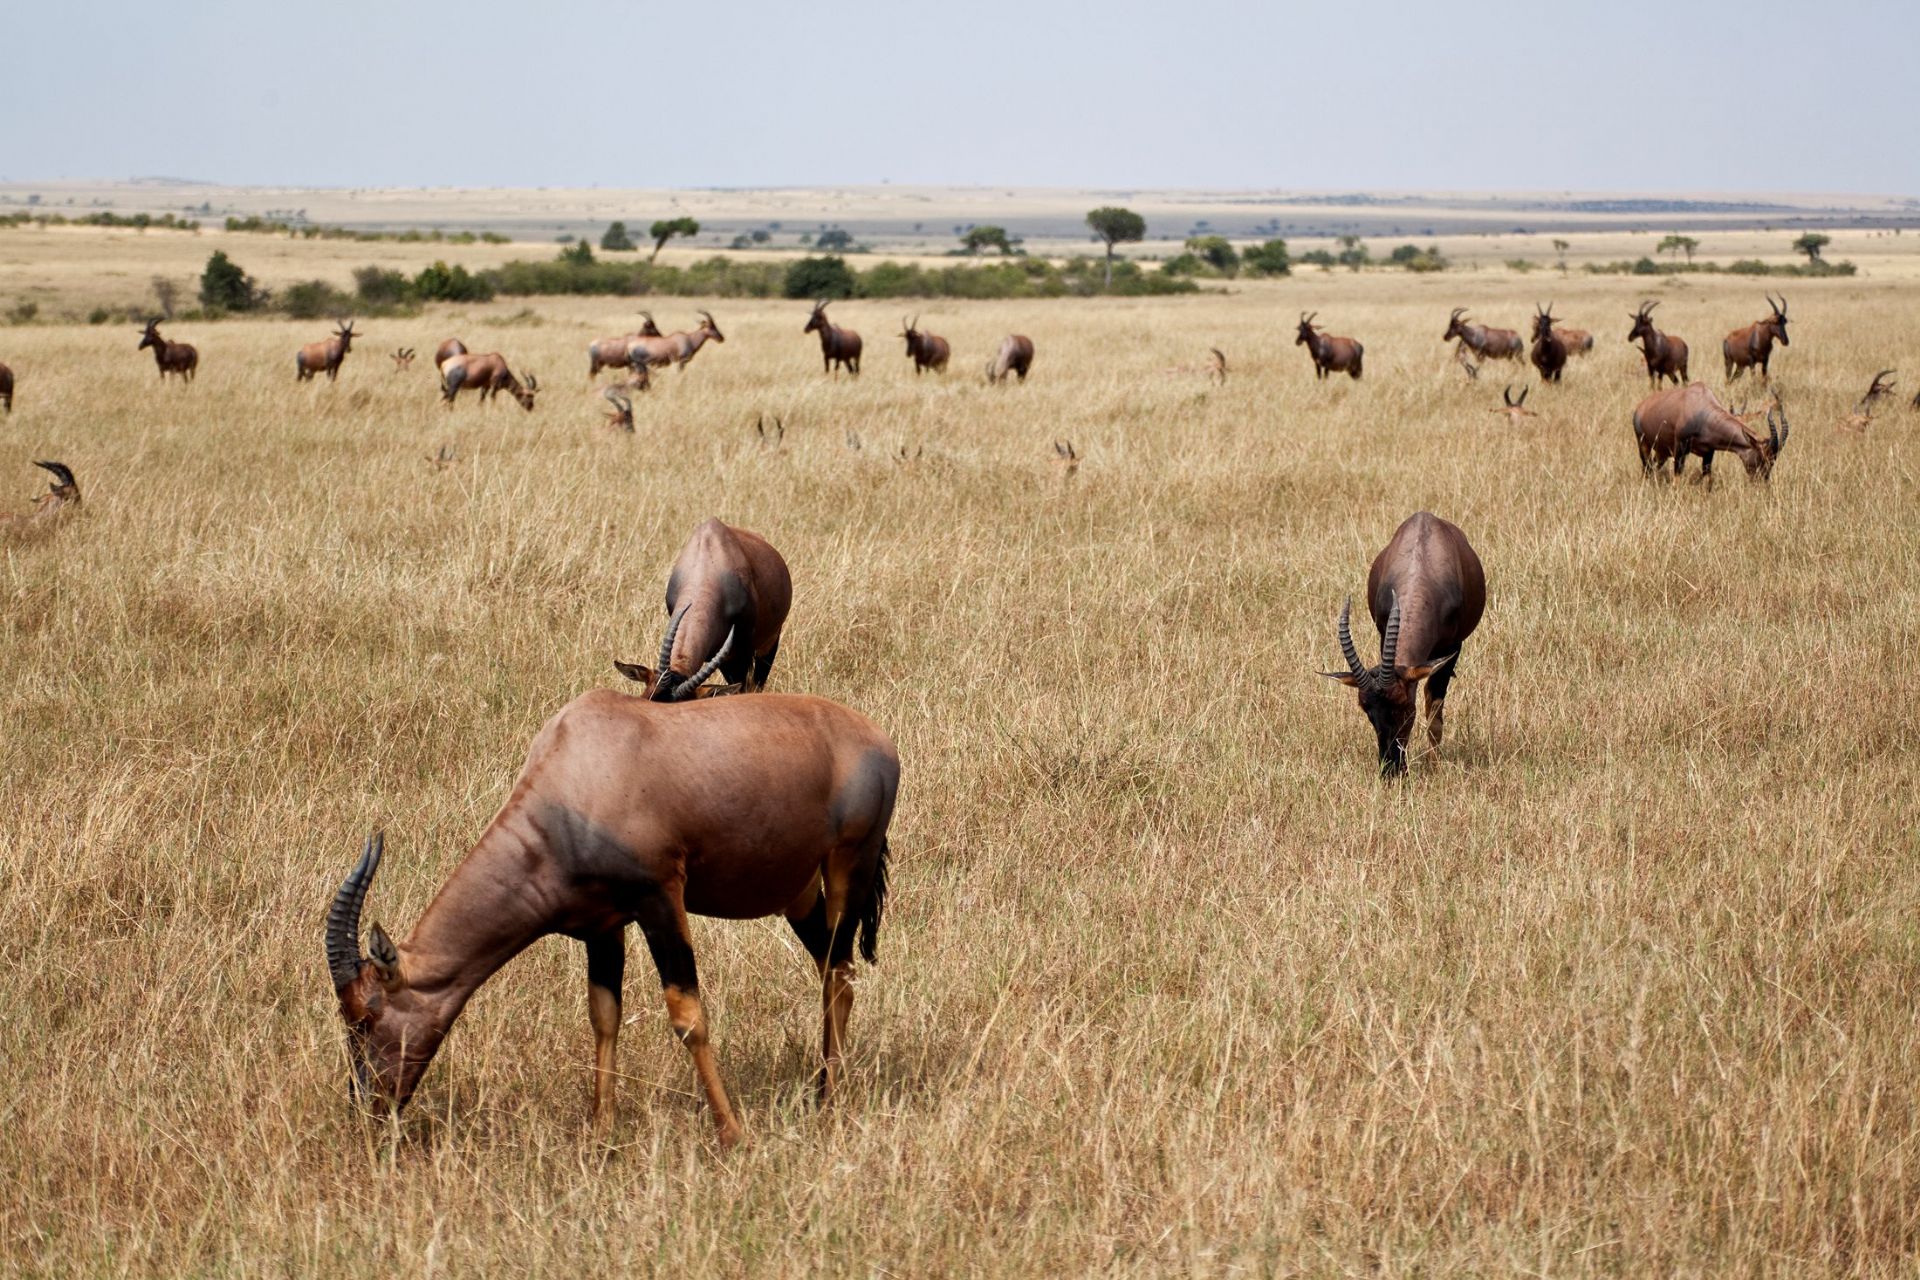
<point x="402" y="358"/>
<point x="1330" y="355"/>
<point x="622" y="416"/>
<point x="488" y="374"/>
<point x="448" y="350"/>
<point x="1066" y="459"/>
<point x="731" y="590"/>
<point x="1426" y="592"/>
<point x="1753" y="345"/>
<point x="1687" y="420"/>
<point x="61" y="498"/>
<point x="927" y="351"/>
<point x="1015" y="356"/>
<point x="1515" y="410"/>
<point x="177" y="358"/>
<point x="1578" y="342"/>
<point x="686" y="345"/>
<point x="630" y="812"/>
<point x="6" y="388"/>
<point x="1862" y="416"/>
<point x="1666" y="356"/>
<point x="1549" y="352"/>
<point x="616" y="353"/>
<point x="1217" y="366"/>
<point x="837" y="346"/>
<point x="1483" y="340"/>
<point x="772" y="441"/>
<point x="318" y="356"/>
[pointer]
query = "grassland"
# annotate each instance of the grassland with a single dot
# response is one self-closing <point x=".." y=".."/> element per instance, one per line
<point x="1621" y="981"/>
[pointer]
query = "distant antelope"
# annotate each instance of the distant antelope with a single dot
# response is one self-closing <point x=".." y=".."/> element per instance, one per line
<point x="1217" y="367"/>
<point x="686" y="345"/>
<point x="1666" y="356"/>
<point x="1549" y="351"/>
<point x="927" y="351"/>
<point x="169" y="357"/>
<point x="6" y="388"/>
<point x="60" y="499"/>
<point x="318" y="356"/>
<point x="402" y="359"/>
<point x="1015" y="356"/>
<point x="1515" y="410"/>
<point x="772" y="441"/>
<point x="488" y="374"/>
<point x="1578" y="342"/>
<point x="837" y="346"/>
<point x="727" y="602"/>
<point x="1753" y="344"/>
<point x="445" y="458"/>
<point x="631" y="812"/>
<point x="1483" y="340"/>
<point x="1690" y="420"/>
<point x="910" y="457"/>
<point x="853" y="441"/>
<point x="1862" y="416"/>
<point x="1330" y="355"/>
<point x="448" y="350"/>
<point x="622" y="416"/>
<point x="1066" y="459"/>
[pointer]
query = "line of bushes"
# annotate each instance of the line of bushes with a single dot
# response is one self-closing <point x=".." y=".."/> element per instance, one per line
<point x="256" y="225"/>
<point x="135" y="221"/>
<point x="1744" y="267"/>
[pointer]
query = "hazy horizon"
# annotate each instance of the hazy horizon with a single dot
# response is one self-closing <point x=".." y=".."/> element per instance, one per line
<point x="1225" y="97"/>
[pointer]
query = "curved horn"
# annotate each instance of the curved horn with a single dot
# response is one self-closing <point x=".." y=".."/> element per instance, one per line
<point x="343" y="917"/>
<point x="1523" y="396"/>
<point x="687" y="687"/>
<point x="666" y="645"/>
<point x="1347" y="650"/>
<point x="61" y="474"/>
<point x="1506" y="395"/>
<point x="1458" y="312"/>
<point x="708" y="317"/>
<point x="1390" y="638"/>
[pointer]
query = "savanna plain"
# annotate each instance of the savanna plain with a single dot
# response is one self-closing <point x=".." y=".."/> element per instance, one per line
<point x="1620" y="980"/>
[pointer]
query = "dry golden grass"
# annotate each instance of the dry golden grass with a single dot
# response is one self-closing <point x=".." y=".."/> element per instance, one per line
<point x="1621" y="981"/>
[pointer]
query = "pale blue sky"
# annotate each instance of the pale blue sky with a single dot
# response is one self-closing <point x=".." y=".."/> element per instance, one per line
<point x="1763" y="95"/>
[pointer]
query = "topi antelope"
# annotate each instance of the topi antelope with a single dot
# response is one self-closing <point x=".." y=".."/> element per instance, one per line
<point x="1426" y="592"/>
<point x="318" y="356"/>
<point x="1515" y="410"/>
<point x="1549" y="351"/>
<point x="1753" y="344"/>
<point x="687" y="345"/>
<point x="448" y="350"/>
<point x="1690" y="420"/>
<point x="1217" y="366"/>
<point x="617" y="353"/>
<point x="488" y="374"/>
<point x="61" y="498"/>
<point x="772" y="441"/>
<point x="6" y="388"/>
<point x="910" y="457"/>
<point x="402" y="358"/>
<point x="626" y="811"/>
<point x="1666" y="356"/>
<point x="727" y="600"/>
<point x="1066" y="459"/>
<point x="1862" y="416"/>
<point x="1330" y="355"/>
<point x="1483" y="340"/>
<point x="177" y="358"/>
<point x="926" y="350"/>
<point x="837" y="346"/>
<point x="1578" y="342"/>
<point x="1015" y="356"/>
<point x="444" y="458"/>
<point x="622" y="416"/>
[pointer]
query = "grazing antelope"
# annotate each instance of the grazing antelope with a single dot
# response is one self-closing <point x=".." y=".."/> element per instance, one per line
<point x="1666" y="356"/>
<point x="1691" y="420"/>
<point x="1426" y="592"/>
<point x="177" y="358"/>
<point x="1578" y="342"/>
<point x="402" y="359"/>
<point x="772" y="441"/>
<point x="622" y="415"/>
<point x="1330" y="355"/>
<point x="727" y="600"/>
<point x="1753" y="345"/>
<point x="1514" y="409"/>
<point x="61" y="498"/>
<point x="1483" y="340"/>
<point x="1015" y="356"/>
<point x="1862" y="416"/>
<point x="927" y="351"/>
<point x="488" y="374"/>
<point x="1549" y="352"/>
<point x="1066" y="459"/>
<point x="6" y="388"/>
<point x="448" y="350"/>
<point x="317" y="356"/>
<point x="626" y="811"/>
<point x="837" y="346"/>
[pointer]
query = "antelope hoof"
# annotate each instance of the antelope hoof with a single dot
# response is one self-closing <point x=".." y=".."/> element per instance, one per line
<point x="732" y="1136"/>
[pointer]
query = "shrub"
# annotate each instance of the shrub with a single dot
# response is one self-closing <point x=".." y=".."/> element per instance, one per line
<point x="224" y="286"/>
<point x="1269" y="259"/>
<point x="819" y="278"/>
<point x="441" y="283"/>
<point x="381" y="287"/>
<point x="312" y="299"/>
<point x="616" y="239"/>
<point x="1318" y="258"/>
<point x="1414" y="258"/>
<point x="1216" y="253"/>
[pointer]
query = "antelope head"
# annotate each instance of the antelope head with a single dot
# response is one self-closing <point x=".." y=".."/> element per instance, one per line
<point x="1542" y="321"/>
<point x="818" y="319"/>
<point x="910" y="457"/>
<point x="910" y="331"/>
<point x="1066" y="458"/>
<point x="1766" y="449"/>
<point x="1455" y="329"/>
<point x="712" y="330"/>
<point x="1514" y="409"/>
<point x="648" y="329"/>
<point x="1386" y="690"/>
<point x="622" y="416"/>
<point x="524" y="394"/>
<point x="1217" y="367"/>
<point x="663" y="685"/>
<point x="1882" y="386"/>
<point x="771" y="440"/>
<point x="150" y="336"/>
<point x="1778" y="321"/>
<point x="402" y="359"/>
<point x="1643" y="323"/>
<point x="344" y="332"/>
<point x="1304" y="335"/>
<point x="392" y="1031"/>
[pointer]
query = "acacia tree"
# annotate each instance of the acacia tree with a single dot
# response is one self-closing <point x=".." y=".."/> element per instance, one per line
<point x="978" y="238"/>
<point x="1811" y="244"/>
<point x="1115" y="225"/>
<point x="667" y="228"/>
<point x="1678" y="244"/>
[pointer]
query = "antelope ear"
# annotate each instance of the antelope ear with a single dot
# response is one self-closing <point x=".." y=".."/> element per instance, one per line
<point x="385" y="958"/>
<point x="634" y="671"/>
<point x="1346" y="678"/>
<point x="1411" y="674"/>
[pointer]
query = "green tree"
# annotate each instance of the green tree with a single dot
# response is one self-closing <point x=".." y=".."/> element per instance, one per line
<point x="1353" y="254"/>
<point x="834" y="239"/>
<point x="1811" y="243"/>
<point x="1269" y="259"/>
<point x="1113" y="225"/>
<point x="667" y="228"/>
<point x="616" y="240"/>
<point x="579" y="253"/>
<point x="819" y="278"/>
<point x="224" y="286"/>
<point x="1215" y="252"/>
<point x="1678" y="244"/>
<point x="978" y="238"/>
